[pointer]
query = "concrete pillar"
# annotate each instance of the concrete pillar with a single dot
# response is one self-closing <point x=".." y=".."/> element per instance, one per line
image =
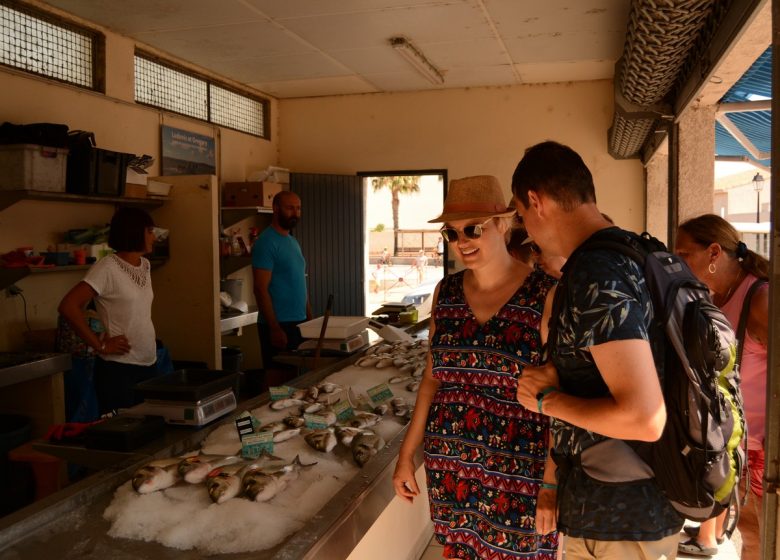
<point x="657" y="181"/>
<point x="696" y="176"/>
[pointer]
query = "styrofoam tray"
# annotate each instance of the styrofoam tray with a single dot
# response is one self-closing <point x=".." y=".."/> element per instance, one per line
<point x="338" y="327"/>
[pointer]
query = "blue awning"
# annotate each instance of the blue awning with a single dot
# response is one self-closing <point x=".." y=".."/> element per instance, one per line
<point x="754" y="85"/>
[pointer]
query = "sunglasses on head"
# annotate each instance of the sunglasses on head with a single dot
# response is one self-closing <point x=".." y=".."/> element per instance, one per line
<point x="473" y="231"/>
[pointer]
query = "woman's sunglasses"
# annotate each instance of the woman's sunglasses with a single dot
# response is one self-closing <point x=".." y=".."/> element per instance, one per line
<point x="473" y="231"/>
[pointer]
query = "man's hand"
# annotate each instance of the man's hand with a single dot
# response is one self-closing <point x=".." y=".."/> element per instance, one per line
<point x="278" y="337"/>
<point x="532" y="381"/>
<point x="546" y="511"/>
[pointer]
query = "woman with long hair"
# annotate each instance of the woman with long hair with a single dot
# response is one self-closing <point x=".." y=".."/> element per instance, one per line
<point x="714" y="251"/>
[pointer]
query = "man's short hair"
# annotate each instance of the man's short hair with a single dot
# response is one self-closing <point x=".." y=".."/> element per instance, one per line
<point x="128" y="229"/>
<point x="558" y="172"/>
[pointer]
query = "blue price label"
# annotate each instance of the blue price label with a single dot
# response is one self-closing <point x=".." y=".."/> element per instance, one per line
<point x="281" y="392"/>
<point x="315" y="421"/>
<point x="380" y="393"/>
<point x="254" y="445"/>
<point x="343" y="410"/>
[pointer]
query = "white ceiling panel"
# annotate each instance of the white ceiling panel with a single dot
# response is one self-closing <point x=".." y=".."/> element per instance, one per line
<point x="582" y="70"/>
<point x="132" y="16"/>
<point x="285" y="67"/>
<point x="291" y="48"/>
<point x="225" y="42"/>
<point x="306" y="8"/>
<point x="314" y="87"/>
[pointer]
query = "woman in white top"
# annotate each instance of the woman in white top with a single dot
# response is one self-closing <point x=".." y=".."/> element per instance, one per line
<point x="121" y="286"/>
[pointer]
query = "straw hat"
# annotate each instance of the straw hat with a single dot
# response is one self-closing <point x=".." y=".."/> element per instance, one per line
<point x="480" y="196"/>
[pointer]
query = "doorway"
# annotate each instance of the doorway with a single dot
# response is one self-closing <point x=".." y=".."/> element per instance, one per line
<point x="404" y="254"/>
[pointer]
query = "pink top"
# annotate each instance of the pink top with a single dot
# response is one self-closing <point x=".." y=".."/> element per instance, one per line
<point x="753" y="370"/>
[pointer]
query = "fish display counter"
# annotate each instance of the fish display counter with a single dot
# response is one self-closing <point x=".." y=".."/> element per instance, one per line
<point x="323" y="491"/>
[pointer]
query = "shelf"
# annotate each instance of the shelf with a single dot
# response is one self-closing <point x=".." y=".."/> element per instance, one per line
<point x="9" y="276"/>
<point x="9" y="198"/>
<point x="233" y="214"/>
<point x="229" y="323"/>
<point x="228" y="265"/>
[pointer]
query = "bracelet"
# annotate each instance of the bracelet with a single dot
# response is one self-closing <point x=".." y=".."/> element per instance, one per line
<point x="543" y="393"/>
<point x="548" y="486"/>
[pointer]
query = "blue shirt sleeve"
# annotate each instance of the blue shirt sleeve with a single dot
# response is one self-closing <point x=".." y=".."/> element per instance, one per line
<point x="263" y="253"/>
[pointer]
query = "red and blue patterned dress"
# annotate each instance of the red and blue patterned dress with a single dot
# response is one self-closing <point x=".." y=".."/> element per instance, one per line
<point x="485" y="452"/>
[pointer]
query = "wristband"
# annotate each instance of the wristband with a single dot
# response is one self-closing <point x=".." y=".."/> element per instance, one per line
<point x="543" y="393"/>
<point x="548" y="486"/>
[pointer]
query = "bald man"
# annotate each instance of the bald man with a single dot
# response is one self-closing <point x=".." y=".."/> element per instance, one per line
<point x="279" y="274"/>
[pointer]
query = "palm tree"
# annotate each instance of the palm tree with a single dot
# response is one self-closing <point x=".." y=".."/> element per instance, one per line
<point x="398" y="185"/>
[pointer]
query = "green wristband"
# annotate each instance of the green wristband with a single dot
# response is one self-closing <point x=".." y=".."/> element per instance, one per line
<point x="543" y="393"/>
<point x="548" y="486"/>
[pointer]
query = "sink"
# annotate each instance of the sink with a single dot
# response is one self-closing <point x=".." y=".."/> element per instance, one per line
<point x="16" y="367"/>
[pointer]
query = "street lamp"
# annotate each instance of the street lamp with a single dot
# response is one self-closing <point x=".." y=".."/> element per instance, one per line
<point x="758" y="186"/>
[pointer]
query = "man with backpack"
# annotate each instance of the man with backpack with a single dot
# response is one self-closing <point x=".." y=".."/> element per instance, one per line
<point x="601" y="385"/>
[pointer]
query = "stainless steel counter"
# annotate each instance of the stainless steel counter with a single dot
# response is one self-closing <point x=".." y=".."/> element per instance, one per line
<point x="17" y="367"/>
<point x="70" y="524"/>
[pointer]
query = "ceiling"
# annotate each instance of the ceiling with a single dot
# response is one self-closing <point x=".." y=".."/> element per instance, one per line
<point x="305" y="48"/>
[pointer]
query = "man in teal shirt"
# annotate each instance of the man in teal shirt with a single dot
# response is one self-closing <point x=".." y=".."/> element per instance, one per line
<point x="279" y="274"/>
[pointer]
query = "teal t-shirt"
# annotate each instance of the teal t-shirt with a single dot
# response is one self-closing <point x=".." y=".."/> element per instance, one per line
<point x="281" y="254"/>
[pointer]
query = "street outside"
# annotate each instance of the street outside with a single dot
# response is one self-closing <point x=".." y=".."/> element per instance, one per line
<point x="390" y="283"/>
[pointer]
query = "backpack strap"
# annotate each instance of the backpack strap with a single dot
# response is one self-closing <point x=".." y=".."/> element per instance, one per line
<point x="743" y="317"/>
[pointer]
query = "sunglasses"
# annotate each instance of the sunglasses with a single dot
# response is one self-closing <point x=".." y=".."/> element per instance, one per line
<point x="473" y="231"/>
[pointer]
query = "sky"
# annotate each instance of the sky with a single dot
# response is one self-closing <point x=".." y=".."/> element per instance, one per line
<point x="414" y="210"/>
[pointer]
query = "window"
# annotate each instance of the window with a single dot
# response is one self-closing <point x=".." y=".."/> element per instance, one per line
<point x="162" y="85"/>
<point x="39" y="43"/>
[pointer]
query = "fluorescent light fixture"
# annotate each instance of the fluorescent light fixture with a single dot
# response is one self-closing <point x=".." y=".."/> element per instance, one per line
<point x="417" y="59"/>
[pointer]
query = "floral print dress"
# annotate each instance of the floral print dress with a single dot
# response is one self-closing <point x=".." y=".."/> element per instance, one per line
<point x="485" y="452"/>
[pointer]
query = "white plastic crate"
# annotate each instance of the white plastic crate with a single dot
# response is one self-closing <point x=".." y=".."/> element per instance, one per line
<point x="338" y="327"/>
<point x="33" y="168"/>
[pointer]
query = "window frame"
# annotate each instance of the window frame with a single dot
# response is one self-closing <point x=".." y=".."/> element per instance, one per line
<point x="209" y="81"/>
<point x="97" y="39"/>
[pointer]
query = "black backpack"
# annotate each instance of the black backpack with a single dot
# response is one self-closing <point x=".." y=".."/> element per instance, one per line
<point x="698" y="460"/>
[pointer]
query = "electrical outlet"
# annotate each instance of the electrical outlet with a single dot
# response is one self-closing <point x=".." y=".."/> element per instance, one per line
<point x="12" y="290"/>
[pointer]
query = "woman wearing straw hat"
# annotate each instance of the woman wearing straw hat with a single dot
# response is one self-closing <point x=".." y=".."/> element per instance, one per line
<point x="484" y="453"/>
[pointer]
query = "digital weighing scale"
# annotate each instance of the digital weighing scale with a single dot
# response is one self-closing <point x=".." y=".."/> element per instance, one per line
<point x="198" y="413"/>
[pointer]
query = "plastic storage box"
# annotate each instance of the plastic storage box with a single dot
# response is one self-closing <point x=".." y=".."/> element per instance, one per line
<point x="187" y="385"/>
<point x="124" y="433"/>
<point x="97" y="171"/>
<point x="32" y="167"/>
<point x="338" y="327"/>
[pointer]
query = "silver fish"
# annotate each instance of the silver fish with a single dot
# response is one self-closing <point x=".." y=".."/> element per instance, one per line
<point x="367" y="361"/>
<point x="365" y="446"/>
<point x="312" y="408"/>
<point x="286" y="403"/>
<point x="261" y="485"/>
<point x="195" y="469"/>
<point x="294" y="421"/>
<point x="400" y="378"/>
<point x="157" y="475"/>
<point x="383" y="363"/>
<point x="397" y="401"/>
<point x="364" y="420"/>
<point x="224" y="483"/>
<point x="407" y="368"/>
<point x="399" y="362"/>
<point x="299" y="394"/>
<point x="284" y="435"/>
<point x="345" y="434"/>
<point x="273" y="427"/>
<point x="413" y="386"/>
<point x="312" y="393"/>
<point x="327" y="387"/>
<point x="321" y="440"/>
<point x="381" y="409"/>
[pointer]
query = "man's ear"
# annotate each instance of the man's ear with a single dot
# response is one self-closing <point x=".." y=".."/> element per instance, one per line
<point x="535" y="202"/>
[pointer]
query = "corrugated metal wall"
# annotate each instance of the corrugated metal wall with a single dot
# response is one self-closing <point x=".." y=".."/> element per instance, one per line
<point x="331" y="234"/>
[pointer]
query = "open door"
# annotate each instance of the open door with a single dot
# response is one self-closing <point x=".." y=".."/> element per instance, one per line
<point x="331" y="236"/>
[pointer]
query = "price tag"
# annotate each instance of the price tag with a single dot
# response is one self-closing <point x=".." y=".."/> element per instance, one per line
<point x="315" y="421"/>
<point x="244" y="426"/>
<point x="380" y="393"/>
<point x="343" y="410"/>
<point x="281" y="392"/>
<point x="254" y="445"/>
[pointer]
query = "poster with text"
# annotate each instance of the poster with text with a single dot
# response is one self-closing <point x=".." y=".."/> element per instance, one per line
<point x="187" y="153"/>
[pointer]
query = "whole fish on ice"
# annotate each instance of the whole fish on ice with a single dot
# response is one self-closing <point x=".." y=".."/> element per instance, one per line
<point x="195" y="469"/>
<point x="260" y="485"/>
<point x="157" y="475"/>
<point x="365" y="446"/>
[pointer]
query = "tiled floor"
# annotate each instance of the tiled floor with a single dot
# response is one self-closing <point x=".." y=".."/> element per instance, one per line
<point x="726" y="551"/>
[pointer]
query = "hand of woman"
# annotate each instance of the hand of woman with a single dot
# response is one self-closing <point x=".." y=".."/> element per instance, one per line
<point x="532" y="381"/>
<point x="546" y="511"/>
<point x="404" y="482"/>
<point x="115" y="345"/>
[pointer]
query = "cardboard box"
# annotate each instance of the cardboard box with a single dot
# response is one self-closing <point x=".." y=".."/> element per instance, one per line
<point x="133" y="190"/>
<point x="249" y="193"/>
